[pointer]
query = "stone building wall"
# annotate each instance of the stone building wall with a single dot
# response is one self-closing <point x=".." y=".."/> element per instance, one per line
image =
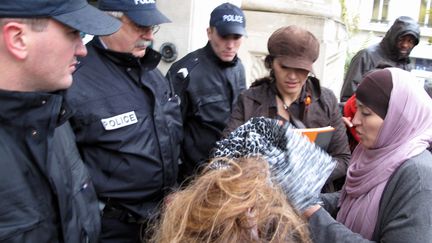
<point x="321" y="17"/>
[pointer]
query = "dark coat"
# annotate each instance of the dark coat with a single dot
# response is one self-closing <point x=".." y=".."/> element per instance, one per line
<point x="208" y="90"/>
<point x="404" y="214"/>
<point x="128" y="127"/>
<point x="45" y="190"/>
<point x="385" y="52"/>
<point x="260" y="100"/>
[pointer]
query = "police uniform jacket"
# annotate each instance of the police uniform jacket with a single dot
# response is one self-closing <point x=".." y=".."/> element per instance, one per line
<point x="322" y="110"/>
<point x="208" y="88"/>
<point x="128" y="126"/>
<point x="45" y="190"/>
<point x="385" y="52"/>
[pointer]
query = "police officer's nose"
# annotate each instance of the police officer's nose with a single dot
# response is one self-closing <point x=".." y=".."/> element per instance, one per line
<point x="230" y="43"/>
<point x="80" y="49"/>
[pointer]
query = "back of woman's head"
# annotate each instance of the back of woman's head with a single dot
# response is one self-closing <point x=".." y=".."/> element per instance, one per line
<point x="234" y="201"/>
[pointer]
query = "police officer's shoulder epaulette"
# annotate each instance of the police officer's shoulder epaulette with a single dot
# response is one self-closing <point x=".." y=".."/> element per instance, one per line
<point x="187" y="66"/>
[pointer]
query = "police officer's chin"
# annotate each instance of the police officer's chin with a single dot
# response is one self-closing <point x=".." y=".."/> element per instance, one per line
<point x="139" y="52"/>
<point x="140" y="48"/>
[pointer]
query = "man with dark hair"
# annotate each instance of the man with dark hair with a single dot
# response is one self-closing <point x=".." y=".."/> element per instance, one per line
<point x="393" y="50"/>
<point x="128" y="123"/>
<point x="45" y="190"/>
<point x="209" y="81"/>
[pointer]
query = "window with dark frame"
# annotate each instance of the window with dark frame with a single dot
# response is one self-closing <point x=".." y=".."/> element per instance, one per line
<point x="380" y="11"/>
<point x="425" y="14"/>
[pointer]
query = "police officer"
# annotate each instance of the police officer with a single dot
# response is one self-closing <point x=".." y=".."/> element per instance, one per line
<point x="209" y="81"/>
<point x="128" y="123"/>
<point x="45" y="190"/>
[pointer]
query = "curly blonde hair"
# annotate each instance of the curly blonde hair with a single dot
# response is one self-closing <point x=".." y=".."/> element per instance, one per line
<point x="234" y="203"/>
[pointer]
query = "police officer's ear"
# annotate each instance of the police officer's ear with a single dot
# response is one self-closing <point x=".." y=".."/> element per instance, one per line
<point x="268" y="62"/>
<point x="209" y="32"/>
<point x="16" y="38"/>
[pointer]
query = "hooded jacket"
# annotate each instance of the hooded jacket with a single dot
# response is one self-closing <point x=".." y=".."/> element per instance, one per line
<point x="128" y="127"/>
<point x="383" y="53"/>
<point x="45" y="190"/>
<point x="260" y="100"/>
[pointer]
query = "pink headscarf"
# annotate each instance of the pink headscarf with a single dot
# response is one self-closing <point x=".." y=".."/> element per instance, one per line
<point x="406" y="132"/>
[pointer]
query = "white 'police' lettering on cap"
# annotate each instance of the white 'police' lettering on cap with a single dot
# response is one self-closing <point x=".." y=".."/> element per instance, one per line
<point x="144" y="2"/>
<point x="119" y="121"/>
<point x="232" y="18"/>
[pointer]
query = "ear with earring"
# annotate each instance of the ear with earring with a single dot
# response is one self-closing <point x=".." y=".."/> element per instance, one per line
<point x="268" y="64"/>
<point x="272" y="75"/>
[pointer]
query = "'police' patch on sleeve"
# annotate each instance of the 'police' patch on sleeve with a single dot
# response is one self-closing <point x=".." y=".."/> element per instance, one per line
<point x="119" y="121"/>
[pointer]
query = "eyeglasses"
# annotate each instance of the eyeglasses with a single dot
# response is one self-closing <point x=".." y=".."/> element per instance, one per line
<point x="145" y="29"/>
<point x="154" y="29"/>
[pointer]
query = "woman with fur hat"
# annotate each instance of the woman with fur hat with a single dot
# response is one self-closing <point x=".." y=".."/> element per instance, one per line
<point x="292" y="94"/>
<point x="388" y="189"/>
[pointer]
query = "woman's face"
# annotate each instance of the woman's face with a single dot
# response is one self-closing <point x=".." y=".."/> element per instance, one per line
<point x="289" y="80"/>
<point x="367" y="125"/>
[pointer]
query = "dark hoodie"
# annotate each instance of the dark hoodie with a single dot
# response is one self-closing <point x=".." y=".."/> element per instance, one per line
<point x="385" y="52"/>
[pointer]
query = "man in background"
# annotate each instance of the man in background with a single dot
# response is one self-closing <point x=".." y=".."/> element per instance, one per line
<point x="393" y="50"/>
<point x="208" y="82"/>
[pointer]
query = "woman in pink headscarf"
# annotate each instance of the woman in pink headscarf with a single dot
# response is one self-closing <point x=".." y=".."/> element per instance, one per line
<point x="387" y="196"/>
